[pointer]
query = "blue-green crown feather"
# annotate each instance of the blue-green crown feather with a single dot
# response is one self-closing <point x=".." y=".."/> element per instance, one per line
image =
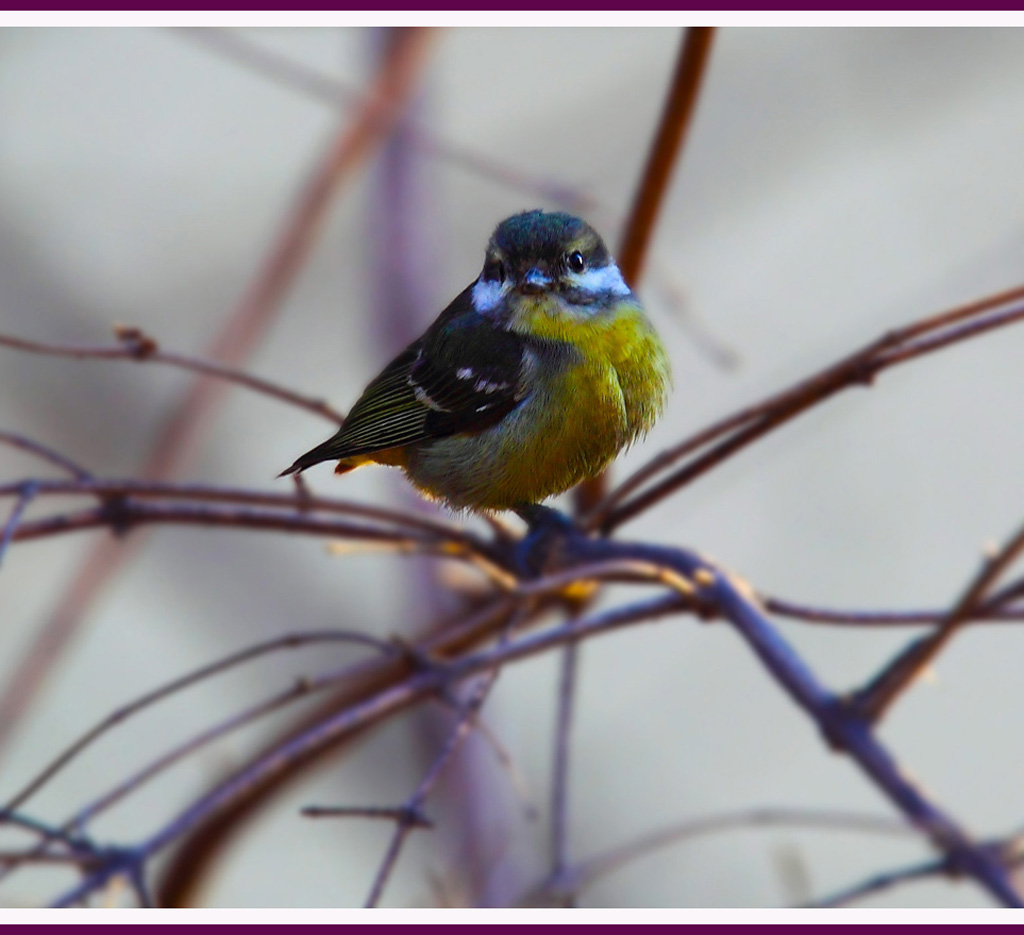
<point x="545" y="235"/>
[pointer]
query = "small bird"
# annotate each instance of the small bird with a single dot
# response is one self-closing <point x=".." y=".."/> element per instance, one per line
<point x="530" y="381"/>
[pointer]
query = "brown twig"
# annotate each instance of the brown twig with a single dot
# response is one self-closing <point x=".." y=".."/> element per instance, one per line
<point x="10" y="528"/>
<point x="120" y="715"/>
<point x="872" y="701"/>
<point x="676" y="120"/>
<point x="137" y="346"/>
<point x="411" y="811"/>
<point x="42" y="451"/>
<point x="560" y="778"/>
<point x="747" y="425"/>
<point x="204" y="843"/>
<point x="1007" y="851"/>
<point x="991" y="612"/>
<point x="121" y="490"/>
<point x="281" y="762"/>
<point x="666" y="147"/>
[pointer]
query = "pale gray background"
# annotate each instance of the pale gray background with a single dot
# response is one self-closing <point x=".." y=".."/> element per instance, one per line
<point x="837" y="183"/>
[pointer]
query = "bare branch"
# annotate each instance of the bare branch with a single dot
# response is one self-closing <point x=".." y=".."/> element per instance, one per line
<point x="676" y="120"/>
<point x="560" y="779"/>
<point x="137" y="346"/>
<point x="990" y="612"/>
<point x="839" y="724"/>
<point x="874" y="699"/>
<point x="577" y="878"/>
<point x="747" y="425"/>
<point x="47" y="454"/>
<point x="121" y="489"/>
<point x="1008" y="851"/>
<point x="10" y="528"/>
<point x="878" y="883"/>
<point x="120" y="715"/>
<point x="411" y="815"/>
<point x="665" y="149"/>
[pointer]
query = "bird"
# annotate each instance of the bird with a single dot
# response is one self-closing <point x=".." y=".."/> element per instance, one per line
<point x="532" y="379"/>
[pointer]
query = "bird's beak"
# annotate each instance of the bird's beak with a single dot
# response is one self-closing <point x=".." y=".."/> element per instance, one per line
<point x="534" y="282"/>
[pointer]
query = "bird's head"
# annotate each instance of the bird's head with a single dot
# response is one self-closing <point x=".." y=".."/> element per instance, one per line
<point x="546" y="262"/>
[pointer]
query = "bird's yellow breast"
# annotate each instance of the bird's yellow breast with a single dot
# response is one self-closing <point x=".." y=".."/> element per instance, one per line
<point x="620" y="339"/>
<point x="607" y="390"/>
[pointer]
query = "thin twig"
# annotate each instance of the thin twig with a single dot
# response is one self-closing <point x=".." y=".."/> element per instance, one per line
<point x="389" y="699"/>
<point x="290" y="641"/>
<point x="676" y="120"/>
<point x="747" y="425"/>
<point x="506" y="760"/>
<point x="577" y="878"/>
<point x="990" y="612"/>
<point x="47" y="454"/>
<point x="560" y="779"/>
<point x="880" y="882"/>
<point x="75" y="842"/>
<point x="302" y="688"/>
<point x="413" y="806"/>
<point x="1007" y="850"/>
<point x="665" y="150"/>
<point x="875" y="699"/>
<point x="133" y="514"/>
<point x="411" y="812"/>
<point x="10" y="528"/>
<point x="189" y="862"/>
<point x="141" y="489"/>
<point x="140" y="347"/>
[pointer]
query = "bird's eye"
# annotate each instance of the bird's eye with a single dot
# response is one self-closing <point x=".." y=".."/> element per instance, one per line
<point x="495" y="270"/>
<point x="575" y="262"/>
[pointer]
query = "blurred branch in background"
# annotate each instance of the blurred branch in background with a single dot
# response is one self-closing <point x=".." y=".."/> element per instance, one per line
<point x="416" y="132"/>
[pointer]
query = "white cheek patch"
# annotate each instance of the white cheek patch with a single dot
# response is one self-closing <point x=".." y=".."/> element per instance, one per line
<point x="602" y="280"/>
<point x="487" y="295"/>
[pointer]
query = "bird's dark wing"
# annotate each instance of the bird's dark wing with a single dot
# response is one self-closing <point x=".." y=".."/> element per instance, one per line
<point x="464" y="375"/>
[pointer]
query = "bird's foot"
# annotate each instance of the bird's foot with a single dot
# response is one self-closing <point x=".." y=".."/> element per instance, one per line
<point x="547" y="529"/>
